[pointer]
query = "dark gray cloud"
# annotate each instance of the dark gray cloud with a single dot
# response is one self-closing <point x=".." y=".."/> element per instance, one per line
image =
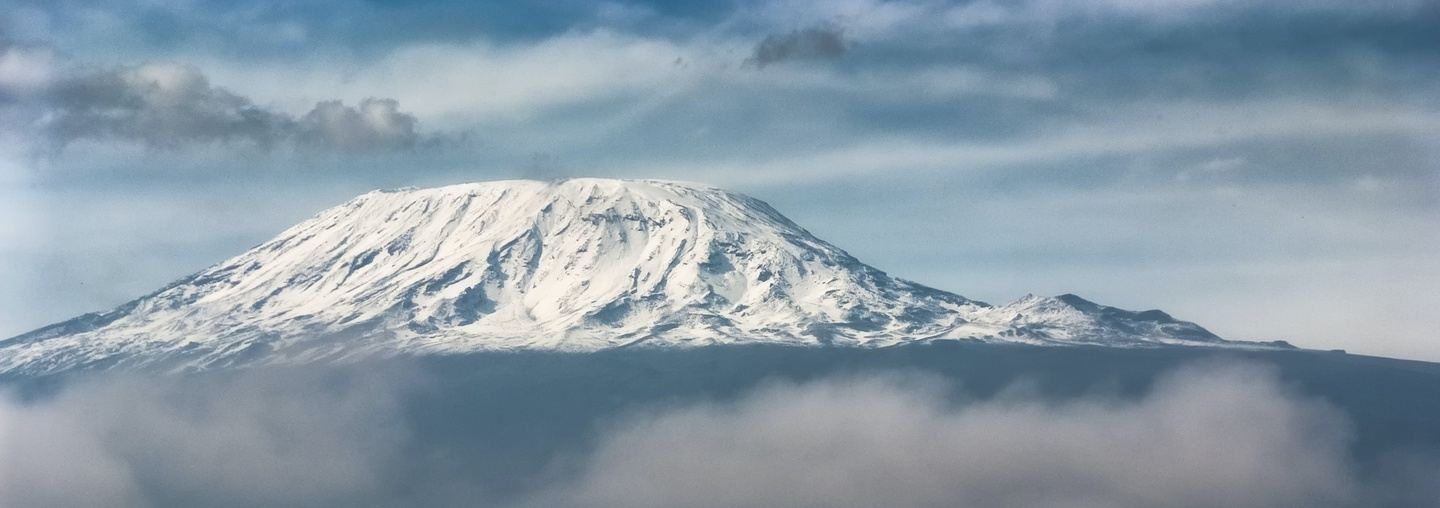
<point x="160" y="105"/>
<point x="171" y="106"/>
<point x="818" y="43"/>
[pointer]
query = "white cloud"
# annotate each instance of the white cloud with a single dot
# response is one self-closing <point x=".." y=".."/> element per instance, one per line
<point x="25" y="70"/>
<point x="1212" y="436"/>
<point x="1206" y="435"/>
<point x="283" y="438"/>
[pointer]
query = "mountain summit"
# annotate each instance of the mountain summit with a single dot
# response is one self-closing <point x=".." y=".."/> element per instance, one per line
<point x="575" y="265"/>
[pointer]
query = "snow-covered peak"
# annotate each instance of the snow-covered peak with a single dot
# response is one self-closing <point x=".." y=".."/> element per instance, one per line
<point x="1071" y="319"/>
<point x="573" y="265"/>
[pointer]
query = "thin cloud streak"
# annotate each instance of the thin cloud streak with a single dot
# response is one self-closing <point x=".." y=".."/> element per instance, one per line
<point x="1163" y="129"/>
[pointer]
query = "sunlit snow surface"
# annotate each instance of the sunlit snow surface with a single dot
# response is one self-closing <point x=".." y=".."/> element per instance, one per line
<point x="576" y="265"/>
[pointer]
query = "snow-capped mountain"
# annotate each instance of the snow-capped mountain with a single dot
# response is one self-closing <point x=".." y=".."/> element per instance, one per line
<point x="576" y="265"/>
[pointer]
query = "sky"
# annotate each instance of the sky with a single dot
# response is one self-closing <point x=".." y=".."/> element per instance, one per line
<point x="1270" y="170"/>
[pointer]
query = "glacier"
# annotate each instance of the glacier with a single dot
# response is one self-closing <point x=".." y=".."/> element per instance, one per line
<point x="573" y="265"/>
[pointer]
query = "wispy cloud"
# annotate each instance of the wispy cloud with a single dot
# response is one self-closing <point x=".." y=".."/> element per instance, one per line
<point x="1135" y="129"/>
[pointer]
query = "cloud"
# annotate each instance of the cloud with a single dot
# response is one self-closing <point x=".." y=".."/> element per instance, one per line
<point x="485" y="82"/>
<point x="160" y="105"/>
<point x="377" y="123"/>
<point x="1138" y="129"/>
<point x="174" y="105"/>
<point x="1211" y="436"/>
<point x="1205" y="435"/>
<point x="293" y="438"/>
<point x="24" y="69"/>
<point x="880" y="19"/>
<point x="818" y="43"/>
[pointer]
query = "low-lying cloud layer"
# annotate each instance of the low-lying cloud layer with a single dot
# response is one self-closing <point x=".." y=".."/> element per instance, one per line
<point x="1226" y="437"/>
<point x="1204" y="436"/>
<point x="286" y="440"/>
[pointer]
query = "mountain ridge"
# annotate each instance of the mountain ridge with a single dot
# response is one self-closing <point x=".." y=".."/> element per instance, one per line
<point x="572" y="265"/>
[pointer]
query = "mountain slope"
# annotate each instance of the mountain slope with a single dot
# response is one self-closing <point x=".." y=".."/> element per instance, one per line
<point x="578" y="265"/>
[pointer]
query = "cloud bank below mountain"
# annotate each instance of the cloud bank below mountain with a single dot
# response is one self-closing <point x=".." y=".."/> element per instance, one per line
<point x="1203" y="435"/>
